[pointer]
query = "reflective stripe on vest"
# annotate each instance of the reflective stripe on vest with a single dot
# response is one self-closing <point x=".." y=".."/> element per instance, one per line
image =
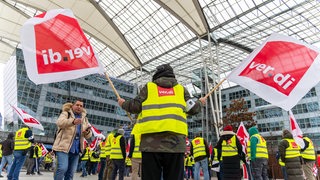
<point x="229" y="147"/>
<point x="20" y="142"/>
<point x="108" y="145"/>
<point x="249" y="149"/>
<point x="190" y="161"/>
<point x="128" y="162"/>
<point x="215" y="158"/>
<point x="293" y="150"/>
<point x="103" y="149"/>
<point x="86" y="155"/>
<point x="136" y="151"/>
<point x="199" y="148"/>
<point x="116" y="152"/>
<point x="163" y="110"/>
<point x="309" y="152"/>
<point x="261" y="151"/>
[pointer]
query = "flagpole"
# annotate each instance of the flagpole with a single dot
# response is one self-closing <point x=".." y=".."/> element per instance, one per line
<point x="116" y="92"/>
<point x="216" y="87"/>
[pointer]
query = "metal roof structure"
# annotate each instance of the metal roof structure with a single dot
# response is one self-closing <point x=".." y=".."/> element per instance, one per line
<point x="132" y="37"/>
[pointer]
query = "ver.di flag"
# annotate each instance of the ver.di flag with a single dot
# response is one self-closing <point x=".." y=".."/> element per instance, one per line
<point x="27" y="119"/>
<point x="96" y="132"/>
<point x="243" y="136"/>
<point x="44" y="150"/>
<point x="281" y="70"/>
<point x="295" y="130"/>
<point x="56" y="49"/>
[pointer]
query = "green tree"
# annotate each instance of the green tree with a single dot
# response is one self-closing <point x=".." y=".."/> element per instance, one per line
<point x="237" y="112"/>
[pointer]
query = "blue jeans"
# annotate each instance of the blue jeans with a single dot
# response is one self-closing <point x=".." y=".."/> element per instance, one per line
<point x="118" y="164"/>
<point x="83" y="168"/>
<point x="18" y="161"/>
<point x="103" y="163"/>
<point x="6" y="159"/>
<point x="204" y="165"/>
<point x="66" y="165"/>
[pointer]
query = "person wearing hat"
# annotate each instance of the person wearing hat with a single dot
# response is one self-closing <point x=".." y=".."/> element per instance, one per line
<point x="289" y="152"/>
<point x="230" y="149"/>
<point x="163" y="106"/>
<point x="118" y="154"/>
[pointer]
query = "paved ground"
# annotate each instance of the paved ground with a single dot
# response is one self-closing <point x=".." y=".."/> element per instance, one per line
<point x="49" y="176"/>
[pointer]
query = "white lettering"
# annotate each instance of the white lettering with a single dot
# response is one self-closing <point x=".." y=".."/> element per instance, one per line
<point x="280" y="78"/>
<point x="50" y="57"/>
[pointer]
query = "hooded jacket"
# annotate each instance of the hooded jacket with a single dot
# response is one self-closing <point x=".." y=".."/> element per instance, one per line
<point x="67" y="130"/>
<point x="284" y="144"/>
<point x="8" y="145"/>
<point x="253" y="141"/>
<point x="164" y="141"/>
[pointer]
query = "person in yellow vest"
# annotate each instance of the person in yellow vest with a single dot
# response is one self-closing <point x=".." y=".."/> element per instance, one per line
<point x="289" y="152"/>
<point x="94" y="159"/>
<point x="128" y="164"/>
<point x="135" y="154"/>
<point x="103" y="156"/>
<point x="36" y="157"/>
<point x="109" y="165"/>
<point x="282" y="165"/>
<point x="231" y="153"/>
<point x="48" y="161"/>
<point x="258" y="154"/>
<point x="200" y="151"/>
<point x="162" y="105"/>
<point x="118" y="154"/>
<point x="22" y="143"/>
<point x="216" y="162"/>
<point x="309" y="158"/>
<point x="189" y="162"/>
<point x="84" y="160"/>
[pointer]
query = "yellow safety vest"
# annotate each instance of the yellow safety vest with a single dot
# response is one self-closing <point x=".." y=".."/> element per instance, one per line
<point x="116" y="152"/>
<point x="190" y="161"/>
<point x="92" y="158"/>
<point x="248" y="149"/>
<point x="229" y="147"/>
<point x="39" y="152"/>
<point x="293" y="150"/>
<point x="199" y="148"/>
<point x="103" y="149"/>
<point x="128" y="162"/>
<point x="261" y="151"/>
<point x="136" y="151"/>
<point x="281" y="163"/>
<point x="86" y="155"/>
<point x="309" y="153"/>
<point x="48" y="158"/>
<point x="108" y="145"/>
<point x="215" y="158"/>
<point x="163" y="110"/>
<point x="21" y="143"/>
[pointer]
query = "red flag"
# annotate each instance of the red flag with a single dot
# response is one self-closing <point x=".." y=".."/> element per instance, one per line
<point x="27" y="119"/>
<point x="315" y="170"/>
<point x="56" y="49"/>
<point x="44" y="150"/>
<point x="245" y="171"/>
<point x="281" y="71"/>
<point x="94" y="143"/>
<point x="243" y="136"/>
<point x="128" y="147"/>
<point x="96" y="132"/>
<point x="210" y="148"/>
<point x="296" y="131"/>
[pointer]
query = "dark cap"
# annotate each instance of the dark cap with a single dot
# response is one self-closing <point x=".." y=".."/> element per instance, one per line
<point x="164" y="70"/>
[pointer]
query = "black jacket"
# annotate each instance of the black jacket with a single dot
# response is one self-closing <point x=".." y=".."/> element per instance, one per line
<point x="8" y="145"/>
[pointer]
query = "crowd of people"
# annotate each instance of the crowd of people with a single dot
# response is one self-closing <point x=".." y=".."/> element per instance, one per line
<point x="157" y="146"/>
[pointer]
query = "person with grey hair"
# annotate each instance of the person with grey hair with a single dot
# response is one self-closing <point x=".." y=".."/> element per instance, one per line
<point x="289" y="152"/>
<point x="118" y="154"/>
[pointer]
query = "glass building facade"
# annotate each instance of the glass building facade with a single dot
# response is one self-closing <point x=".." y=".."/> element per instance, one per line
<point x="44" y="102"/>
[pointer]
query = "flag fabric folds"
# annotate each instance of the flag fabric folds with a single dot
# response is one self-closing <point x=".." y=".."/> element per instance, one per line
<point x="27" y="119"/>
<point x="281" y="70"/>
<point x="56" y="49"/>
<point x="295" y="130"/>
<point x="44" y="150"/>
<point x="243" y="136"/>
<point x="96" y="132"/>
